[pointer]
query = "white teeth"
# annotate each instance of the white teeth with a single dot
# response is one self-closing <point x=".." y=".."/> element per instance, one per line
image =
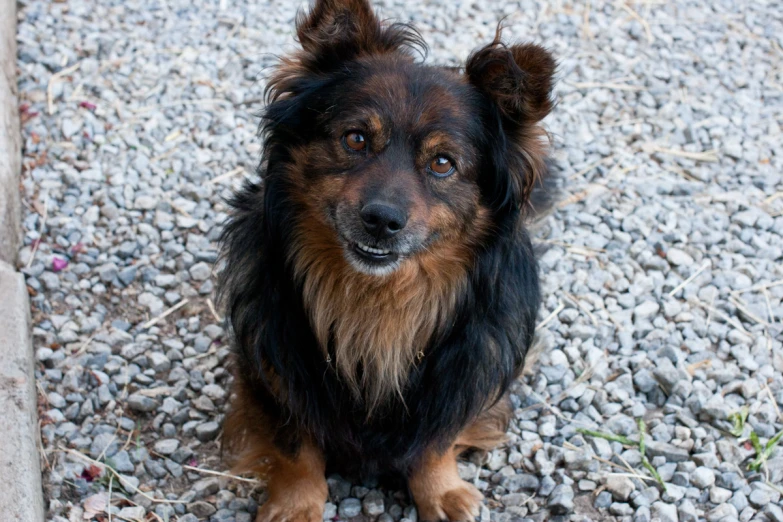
<point x="370" y="250"/>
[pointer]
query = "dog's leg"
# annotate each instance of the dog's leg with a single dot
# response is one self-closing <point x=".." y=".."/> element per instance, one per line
<point x="296" y="486"/>
<point x="439" y="492"/>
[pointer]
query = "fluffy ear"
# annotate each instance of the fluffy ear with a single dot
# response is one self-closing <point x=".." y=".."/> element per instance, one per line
<point x="518" y="79"/>
<point x="336" y="30"/>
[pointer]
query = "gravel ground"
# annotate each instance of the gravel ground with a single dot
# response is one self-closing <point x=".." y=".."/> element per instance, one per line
<point x="663" y="280"/>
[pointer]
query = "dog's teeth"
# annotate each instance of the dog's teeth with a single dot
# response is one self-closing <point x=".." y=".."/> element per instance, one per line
<point x="371" y="250"/>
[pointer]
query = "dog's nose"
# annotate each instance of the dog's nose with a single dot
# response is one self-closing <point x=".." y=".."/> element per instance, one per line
<point x="383" y="220"/>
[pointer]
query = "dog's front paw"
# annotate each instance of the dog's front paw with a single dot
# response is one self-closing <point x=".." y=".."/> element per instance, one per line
<point x="291" y="509"/>
<point x="459" y="504"/>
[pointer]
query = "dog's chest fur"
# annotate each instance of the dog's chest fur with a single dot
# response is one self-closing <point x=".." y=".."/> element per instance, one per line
<point x="372" y="329"/>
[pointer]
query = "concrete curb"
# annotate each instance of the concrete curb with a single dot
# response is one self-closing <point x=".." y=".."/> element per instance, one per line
<point x="10" y="138"/>
<point x="21" y="494"/>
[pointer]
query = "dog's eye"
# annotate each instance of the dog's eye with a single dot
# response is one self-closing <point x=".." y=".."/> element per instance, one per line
<point x="442" y="166"/>
<point x="355" y="141"/>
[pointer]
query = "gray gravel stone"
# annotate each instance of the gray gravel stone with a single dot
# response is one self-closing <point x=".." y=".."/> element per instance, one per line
<point x="201" y="509"/>
<point x="166" y="446"/>
<point x="721" y="512"/>
<point x="702" y="477"/>
<point x="207" y="431"/>
<point x="664" y="512"/>
<point x="349" y="508"/>
<point x="520" y="482"/>
<point x="687" y="511"/>
<point x="372" y="504"/>
<point x="206" y="487"/>
<point x="670" y="452"/>
<point x="620" y="487"/>
<point x="561" y="500"/>
<point x="774" y="513"/>
<point x="141" y="403"/>
<point x="200" y="271"/>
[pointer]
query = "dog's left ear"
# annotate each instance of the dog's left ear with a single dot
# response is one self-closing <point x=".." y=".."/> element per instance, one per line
<point x="517" y="78"/>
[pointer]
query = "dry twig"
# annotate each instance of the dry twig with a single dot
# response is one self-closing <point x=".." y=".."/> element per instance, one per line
<point x="155" y="320"/>
<point x="54" y="79"/>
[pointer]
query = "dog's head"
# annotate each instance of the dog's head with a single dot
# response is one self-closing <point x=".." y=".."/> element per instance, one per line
<point x="388" y="159"/>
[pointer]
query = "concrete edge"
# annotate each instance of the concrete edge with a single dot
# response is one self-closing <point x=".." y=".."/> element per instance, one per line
<point x="21" y="493"/>
<point x="10" y="137"/>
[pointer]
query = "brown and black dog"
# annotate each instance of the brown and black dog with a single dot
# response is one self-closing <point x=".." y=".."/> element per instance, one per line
<point x="379" y="281"/>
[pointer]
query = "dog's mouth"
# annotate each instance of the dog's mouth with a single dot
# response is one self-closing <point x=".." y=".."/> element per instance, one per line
<point x="374" y="254"/>
<point x="371" y="259"/>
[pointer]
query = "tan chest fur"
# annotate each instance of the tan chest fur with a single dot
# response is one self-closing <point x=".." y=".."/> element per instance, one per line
<point x="378" y="326"/>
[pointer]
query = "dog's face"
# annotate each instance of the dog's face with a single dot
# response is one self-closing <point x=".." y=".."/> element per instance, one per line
<point x="392" y="166"/>
<point x="390" y="159"/>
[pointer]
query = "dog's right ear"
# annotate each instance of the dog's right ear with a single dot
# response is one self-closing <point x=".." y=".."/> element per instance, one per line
<point x="517" y="78"/>
<point x="338" y="30"/>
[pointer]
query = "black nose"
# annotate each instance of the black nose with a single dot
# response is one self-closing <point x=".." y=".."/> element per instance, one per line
<point x="383" y="220"/>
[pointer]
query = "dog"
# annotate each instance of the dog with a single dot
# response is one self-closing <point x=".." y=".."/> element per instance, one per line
<point x="379" y="281"/>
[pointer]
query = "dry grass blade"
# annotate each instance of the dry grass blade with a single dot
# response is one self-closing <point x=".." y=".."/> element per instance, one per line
<point x="155" y="392"/>
<point x="108" y="504"/>
<point x="709" y="156"/>
<point x="582" y="307"/>
<point x="681" y="172"/>
<point x="685" y="283"/>
<point x="614" y="321"/>
<point x="591" y="166"/>
<point x="763" y="286"/>
<point x="635" y="15"/>
<point x="125" y="484"/>
<point x="220" y="474"/>
<point x="227" y="175"/>
<point x="770" y="314"/>
<point x="731" y="320"/>
<point x="84" y="345"/>
<point x="54" y="79"/>
<point x="157" y="319"/>
<point x="691" y="369"/>
<point x="200" y="101"/>
<point x="772" y="198"/>
<point x="607" y="85"/>
<point x="744" y="309"/>
<point x="588" y="34"/>
<point x="210" y="471"/>
<point x="568" y="445"/>
<point x="634" y="475"/>
<point x="40" y="230"/>
<point x="213" y="310"/>
<point x="560" y="307"/>
<point x="576" y="249"/>
<point x="581" y="195"/>
<point x="773" y="401"/>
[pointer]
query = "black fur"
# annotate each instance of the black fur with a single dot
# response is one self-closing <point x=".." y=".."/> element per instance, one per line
<point x="468" y="366"/>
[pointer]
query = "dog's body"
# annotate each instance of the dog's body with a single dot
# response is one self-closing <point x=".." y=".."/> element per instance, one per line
<point x="380" y="282"/>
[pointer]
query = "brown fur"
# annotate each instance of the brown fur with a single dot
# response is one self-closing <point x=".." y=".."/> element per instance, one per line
<point x="246" y="439"/>
<point x="407" y="306"/>
<point x="435" y="484"/>
<point x="297" y="487"/>
<point x="295" y="482"/>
